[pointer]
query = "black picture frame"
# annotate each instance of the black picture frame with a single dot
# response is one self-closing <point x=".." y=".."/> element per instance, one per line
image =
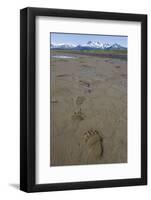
<point x="28" y="98"/>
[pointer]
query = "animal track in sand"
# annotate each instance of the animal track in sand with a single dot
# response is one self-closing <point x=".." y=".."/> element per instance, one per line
<point x="84" y="83"/>
<point x="80" y="100"/>
<point x="94" y="143"/>
<point x="78" y="115"/>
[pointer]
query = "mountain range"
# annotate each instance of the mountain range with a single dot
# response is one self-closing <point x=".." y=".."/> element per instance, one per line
<point x="90" y="45"/>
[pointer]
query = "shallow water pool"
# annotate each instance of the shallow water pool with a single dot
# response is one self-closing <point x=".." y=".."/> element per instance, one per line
<point x="63" y="57"/>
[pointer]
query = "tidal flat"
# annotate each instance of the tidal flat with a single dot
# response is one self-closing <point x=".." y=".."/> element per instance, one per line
<point x="88" y="109"/>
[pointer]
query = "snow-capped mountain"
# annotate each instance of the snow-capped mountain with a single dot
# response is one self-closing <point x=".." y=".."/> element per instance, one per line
<point x="116" y="47"/>
<point x="88" y="46"/>
<point x="97" y="45"/>
<point x="62" y="46"/>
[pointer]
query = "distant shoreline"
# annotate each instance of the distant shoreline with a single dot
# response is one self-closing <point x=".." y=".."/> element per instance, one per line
<point x="115" y="55"/>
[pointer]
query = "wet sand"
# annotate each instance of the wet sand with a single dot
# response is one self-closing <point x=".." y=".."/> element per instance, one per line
<point x="88" y="110"/>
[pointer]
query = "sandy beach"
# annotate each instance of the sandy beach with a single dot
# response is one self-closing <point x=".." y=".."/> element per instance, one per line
<point x="88" y="109"/>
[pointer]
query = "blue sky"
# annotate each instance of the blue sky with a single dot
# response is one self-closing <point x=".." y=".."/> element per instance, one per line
<point x="84" y="38"/>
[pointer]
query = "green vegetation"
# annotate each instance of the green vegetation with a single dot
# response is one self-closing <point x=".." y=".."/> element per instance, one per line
<point x="97" y="51"/>
<point x="105" y="51"/>
<point x="119" y="54"/>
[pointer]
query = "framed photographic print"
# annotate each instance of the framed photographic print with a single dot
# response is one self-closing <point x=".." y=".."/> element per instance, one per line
<point x="83" y="99"/>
